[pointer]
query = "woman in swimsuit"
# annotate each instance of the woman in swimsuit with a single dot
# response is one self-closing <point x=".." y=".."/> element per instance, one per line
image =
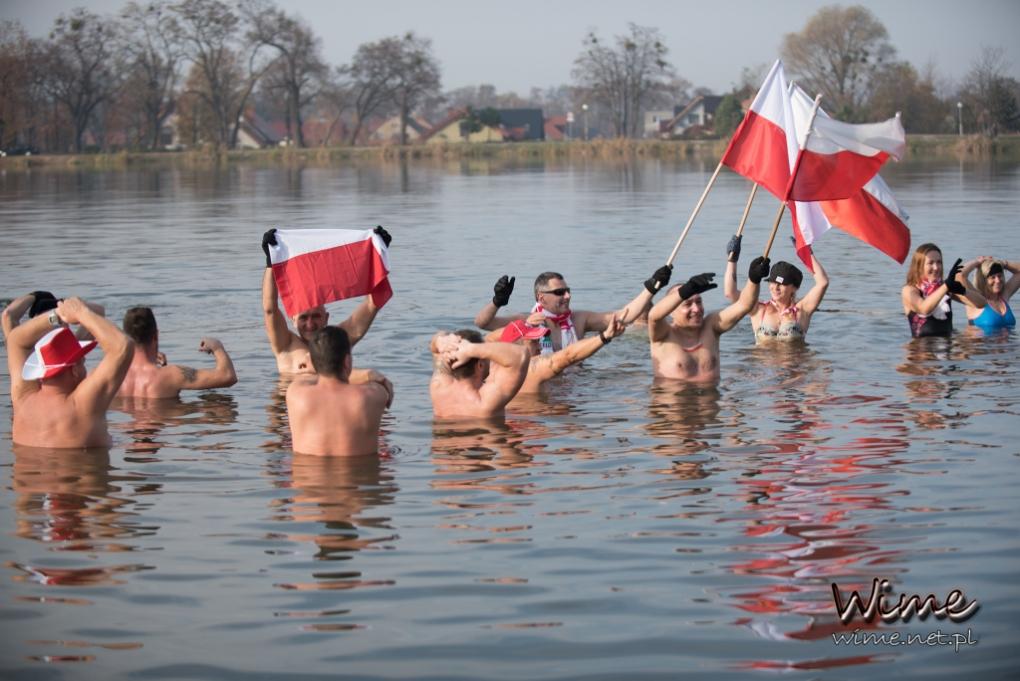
<point x="782" y="317"/>
<point x="990" y="281"/>
<point x="926" y="296"/>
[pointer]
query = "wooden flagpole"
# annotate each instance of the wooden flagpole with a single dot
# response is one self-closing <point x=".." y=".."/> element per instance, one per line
<point x="747" y="209"/>
<point x="694" y="214"/>
<point x="793" y="176"/>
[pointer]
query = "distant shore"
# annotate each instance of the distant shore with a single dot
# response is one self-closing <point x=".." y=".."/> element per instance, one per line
<point x="968" y="147"/>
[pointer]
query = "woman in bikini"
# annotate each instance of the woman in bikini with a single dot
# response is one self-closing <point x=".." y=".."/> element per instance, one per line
<point x="927" y="296"/>
<point x="990" y="281"/>
<point x="782" y="317"/>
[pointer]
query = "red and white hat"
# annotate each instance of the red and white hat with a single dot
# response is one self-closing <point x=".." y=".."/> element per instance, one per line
<point x="56" y="351"/>
<point x="518" y="329"/>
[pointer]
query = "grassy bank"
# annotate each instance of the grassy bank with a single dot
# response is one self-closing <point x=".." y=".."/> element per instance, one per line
<point x="973" y="147"/>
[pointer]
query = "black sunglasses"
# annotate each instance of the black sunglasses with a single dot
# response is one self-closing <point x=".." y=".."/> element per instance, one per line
<point x="558" y="292"/>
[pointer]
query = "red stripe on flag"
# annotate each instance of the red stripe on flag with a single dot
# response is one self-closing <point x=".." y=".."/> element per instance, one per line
<point x="825" y="177"/>
<point x="758" y="151"/>
<point x="312" y="279"/>
<point x="868" y="219"/>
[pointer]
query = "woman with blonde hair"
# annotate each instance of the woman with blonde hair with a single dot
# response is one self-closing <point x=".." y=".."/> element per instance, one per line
<point x="990" y="281"/>
<point x="927" y="296"/>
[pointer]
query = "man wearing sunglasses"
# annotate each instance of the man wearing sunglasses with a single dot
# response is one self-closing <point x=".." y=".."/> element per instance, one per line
<point x="552" y="309"/>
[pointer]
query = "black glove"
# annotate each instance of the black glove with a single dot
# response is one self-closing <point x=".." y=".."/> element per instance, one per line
<point x="659" y="279"/>
<point x="951" y="283"/>
<point x="502" y="290"/>
<point x="733" y="247"/>
<point x="268" y="239"/>
<point x="759" y="269"/>
<point x="384" y="234"/>
<point x="699" y="283"/>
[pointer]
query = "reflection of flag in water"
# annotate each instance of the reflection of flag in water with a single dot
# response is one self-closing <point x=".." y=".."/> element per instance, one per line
<point x="313" y="267"/>
<point x="871" y="213"/>
<point x="760" y="149"/>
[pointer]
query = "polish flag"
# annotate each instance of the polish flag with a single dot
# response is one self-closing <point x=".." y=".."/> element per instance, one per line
<point x="760" y="149"/>
<point x="839" y="158"/>
<point x="313" y="267"/>
<point x="871" y="214"/>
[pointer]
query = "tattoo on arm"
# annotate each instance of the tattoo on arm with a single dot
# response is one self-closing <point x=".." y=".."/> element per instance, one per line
<point x="189" y="375"/>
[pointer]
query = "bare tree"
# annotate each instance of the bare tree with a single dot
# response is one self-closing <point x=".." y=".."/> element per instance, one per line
<point x="373" y="81"/>
<point x="839" y="53"/>
<point x="624" y="78"/>
<point x="20" y="104"/>
<point x="230" y="66"/>
<point x="990" y="95"/>
<point x="299" y="69"/>
<point x="152" y="42"/>
<point x="81" y="66"/>
<point x="416" y="76"/>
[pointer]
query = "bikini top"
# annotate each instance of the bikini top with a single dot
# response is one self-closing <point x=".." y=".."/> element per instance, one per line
<point x="789" y="323"/>
<point x="990" y="319"/>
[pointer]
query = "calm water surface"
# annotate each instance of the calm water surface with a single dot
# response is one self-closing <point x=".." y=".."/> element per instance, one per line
<point x="616" y="528"/>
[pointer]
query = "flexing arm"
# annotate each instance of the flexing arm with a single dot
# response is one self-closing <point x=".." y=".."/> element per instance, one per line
<point x="276" y="323"/>
<point x="360" y="321"/>
<point x="223" y="376"/>
<point x="813" y="299"/>
<point x="94" y="394"/>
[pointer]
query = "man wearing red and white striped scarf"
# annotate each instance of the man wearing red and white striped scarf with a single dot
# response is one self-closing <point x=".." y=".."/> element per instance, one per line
<point x="552" y="309"/>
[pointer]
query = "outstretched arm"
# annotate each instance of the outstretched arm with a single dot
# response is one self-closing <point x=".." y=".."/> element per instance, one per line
<point x="730" y="277"/>
<point x="276" y="323"/>
<point x="813" y="299"/>
<point x="601" y="321"/>
<point x="223" y="376"/>
<point x="557" y="363"/>
<point x="727" y="318"/>
<point x="360" y="321"/>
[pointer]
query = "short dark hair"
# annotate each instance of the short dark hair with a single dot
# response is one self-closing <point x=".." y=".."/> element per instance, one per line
<point x="466" y="370"/>
<point x="140" y="325"/>
<point x="329" y="348"/>
<point x="543" y="279"/>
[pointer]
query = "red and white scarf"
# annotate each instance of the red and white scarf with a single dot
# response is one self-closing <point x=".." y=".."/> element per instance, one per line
<point x="568" y="334"/>
<point x="927" y="287"/>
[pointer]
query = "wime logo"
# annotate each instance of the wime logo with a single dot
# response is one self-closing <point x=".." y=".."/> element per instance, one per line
<point x="956" y="608"/>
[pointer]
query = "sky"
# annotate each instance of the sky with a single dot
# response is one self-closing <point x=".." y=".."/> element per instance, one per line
<point x="530" y="43"/>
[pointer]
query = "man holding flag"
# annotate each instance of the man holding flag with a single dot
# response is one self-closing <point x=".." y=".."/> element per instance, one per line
<point x="309" y="268"/>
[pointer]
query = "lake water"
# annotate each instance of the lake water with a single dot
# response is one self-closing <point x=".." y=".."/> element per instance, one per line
<point x="617" y="528"/>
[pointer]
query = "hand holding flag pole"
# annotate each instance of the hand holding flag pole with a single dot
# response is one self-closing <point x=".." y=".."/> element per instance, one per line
<point x="793" y="176"/>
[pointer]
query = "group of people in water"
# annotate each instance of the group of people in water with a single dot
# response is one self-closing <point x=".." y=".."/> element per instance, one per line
<point x="335" y="409"/>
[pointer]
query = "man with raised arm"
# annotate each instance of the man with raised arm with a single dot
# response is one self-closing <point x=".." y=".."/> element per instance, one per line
<point x="148" y="377"/>
<point x="36" y="303"/>
<point x="291" y="349"/>
<point x="552" y="303"/>
<point x="542" y="368"/>
<point x="56" y="402"/>
<point x="337" y="410"/>
<point x="688" y="348"/>
<point x="474" y="379"/>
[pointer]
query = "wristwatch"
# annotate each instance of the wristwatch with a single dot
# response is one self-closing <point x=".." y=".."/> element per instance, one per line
<point x="54" y="319"/>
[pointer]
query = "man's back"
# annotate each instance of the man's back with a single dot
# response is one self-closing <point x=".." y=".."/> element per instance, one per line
<point x="329" y="417"/>
<point x="47" y="418"/>
<point x="150" y="380"/>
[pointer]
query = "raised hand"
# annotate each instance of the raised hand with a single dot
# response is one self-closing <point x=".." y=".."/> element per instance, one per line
<point x="759" y="269"/>
<point x="733" y="247"/>
<point x="699" y="283"/>
<point x="502" y="290"/>
<point x="268" y="239"/>
<point x="952" y="284"/>
<point x="381" y="231"/>
<point x="210" y="345"/>
<point x="659" y="279"/>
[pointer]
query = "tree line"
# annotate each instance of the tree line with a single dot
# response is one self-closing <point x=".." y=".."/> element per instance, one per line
<point x="208" y="61"/>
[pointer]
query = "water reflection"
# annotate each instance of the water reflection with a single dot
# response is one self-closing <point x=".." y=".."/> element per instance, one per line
<point x="72" y="502"/>
<point x="151" y="417"/>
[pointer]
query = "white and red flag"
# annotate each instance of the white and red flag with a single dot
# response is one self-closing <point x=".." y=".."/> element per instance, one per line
<point x="313" y="267"/>
<point x="871" y="213"/>
<point x="760" y="149"/>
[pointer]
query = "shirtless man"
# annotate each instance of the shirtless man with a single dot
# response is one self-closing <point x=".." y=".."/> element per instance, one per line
<point x="336" y="411"/>
<point x="56" y="402"/>
<point x="688" y="348"/>
<point x="552" y="302"/>
<point x="291" y="349"/>
<point x="36" y="303"/>
<point x="474" y="379"/>
<point x="147" y="377"/>
<point x="541" y="367"/>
